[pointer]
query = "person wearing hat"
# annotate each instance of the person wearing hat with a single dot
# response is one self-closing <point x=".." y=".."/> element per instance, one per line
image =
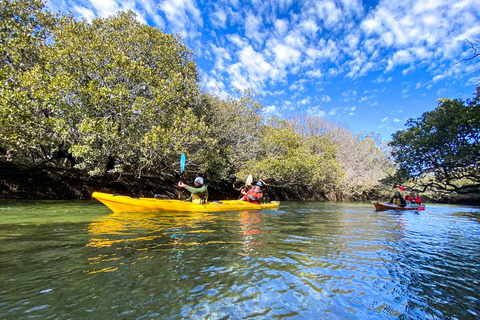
<point x="253" y="195"/>
<point x="398" y="200"/>
<point x="198" y="193"/>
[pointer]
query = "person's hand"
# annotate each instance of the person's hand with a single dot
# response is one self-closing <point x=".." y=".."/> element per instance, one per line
<point x="243" y="192"/>
<point x="181" y="184"/>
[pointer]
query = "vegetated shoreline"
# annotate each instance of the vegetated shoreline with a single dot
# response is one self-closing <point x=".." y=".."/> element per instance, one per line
<point x="48" y="183"/>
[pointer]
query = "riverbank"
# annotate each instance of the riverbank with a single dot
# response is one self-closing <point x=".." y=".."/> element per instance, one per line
<point x="48" y="183"/>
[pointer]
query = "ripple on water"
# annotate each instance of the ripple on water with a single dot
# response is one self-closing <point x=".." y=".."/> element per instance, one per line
<point x="305" y="261"/>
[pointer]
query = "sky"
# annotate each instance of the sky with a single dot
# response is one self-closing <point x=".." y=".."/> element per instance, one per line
<point x="367" y="65"/>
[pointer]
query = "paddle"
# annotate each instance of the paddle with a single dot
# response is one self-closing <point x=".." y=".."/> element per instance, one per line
<point x="248" y="182"/>
<point x="182" y="168"/>
<point x="182" y="163"/>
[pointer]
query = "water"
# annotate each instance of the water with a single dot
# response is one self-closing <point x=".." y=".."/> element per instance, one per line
<point x="77" y="260"/>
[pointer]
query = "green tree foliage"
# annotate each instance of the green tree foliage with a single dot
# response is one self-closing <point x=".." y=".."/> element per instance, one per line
<point x="441" y="149"/>
<point x="236" y="123"/>
<point x="287" y="158"/>
<point x="119" y="84"/>
<point x="102" y="92"/>
<point x="115" y="94"/>
<point x="23" y="31"/>
<point x="364" y="159"/>
<point x="23" y="34"/>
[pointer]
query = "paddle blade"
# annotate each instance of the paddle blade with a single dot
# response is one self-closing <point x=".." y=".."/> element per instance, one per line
<point x="401" y="188"/>
<point x="249" y="180"/>
<point x="182" y="162"/>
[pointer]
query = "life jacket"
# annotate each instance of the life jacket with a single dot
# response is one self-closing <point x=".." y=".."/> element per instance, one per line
<point x="200" y="200"/>
<point x="257" y="195"/>
<point x="417" y="200"/>
<point x="397" y="201"/>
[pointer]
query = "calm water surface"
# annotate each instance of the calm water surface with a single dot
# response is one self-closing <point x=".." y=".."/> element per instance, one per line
<point x="77" y="260"/>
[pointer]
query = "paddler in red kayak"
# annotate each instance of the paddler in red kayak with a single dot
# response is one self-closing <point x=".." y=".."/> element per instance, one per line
<point x="414" y="198"/>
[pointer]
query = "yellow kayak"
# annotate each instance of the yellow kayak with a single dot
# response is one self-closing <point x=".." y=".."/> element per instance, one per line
<point x="119" y="203"/>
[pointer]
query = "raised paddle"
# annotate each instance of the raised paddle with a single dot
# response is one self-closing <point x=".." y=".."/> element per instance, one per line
<point x="182" y="168"/>
<point x="248" y="182"/>
<point x="182" y="163"/>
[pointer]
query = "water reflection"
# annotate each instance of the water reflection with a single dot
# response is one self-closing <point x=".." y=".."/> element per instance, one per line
<point x="304" y="261"/>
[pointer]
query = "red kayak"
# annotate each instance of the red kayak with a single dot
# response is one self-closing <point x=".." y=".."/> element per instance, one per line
<point x="388" y="206"/>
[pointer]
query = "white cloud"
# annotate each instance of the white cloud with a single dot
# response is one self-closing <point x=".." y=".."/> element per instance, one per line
<point x="352" y="41"/>
<point x="314" y="73"/>
<point x="438" y="78"/>
<point x="305" y="101"/>
<point x="328" y="12"/>
<point x="325" y="98"/>
<point x="316" y="111"/>
<point x="253" y="27"/>
<point x="281" y="27"/>
<point x="284" y="55"/>
<point x="181" y="14"/>
<point x="309" y="27"/>
<point x="399" y="57"/>
<point x="271" y="110"/>
<point x="105" y="8"/>
<point x="380" y="79"/>
<point x="222" y="57"/>
<point x="211" y="82"/>
<point x="84" y="12"/>
<point x="219" y="17"/>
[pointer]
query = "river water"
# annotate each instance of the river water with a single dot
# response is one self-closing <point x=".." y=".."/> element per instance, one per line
<point x="77" y="260"/>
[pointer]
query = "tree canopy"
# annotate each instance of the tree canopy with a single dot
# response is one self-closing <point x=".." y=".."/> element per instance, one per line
<point x="441" y="149"/>
<point x="116" y="95"/>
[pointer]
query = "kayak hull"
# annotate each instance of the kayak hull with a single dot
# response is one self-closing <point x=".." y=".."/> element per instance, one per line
<point x="118" y="203"/>
<point x="388" y="206"/>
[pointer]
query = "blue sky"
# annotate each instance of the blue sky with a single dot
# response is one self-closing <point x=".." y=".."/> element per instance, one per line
<point x="370" y="65"/>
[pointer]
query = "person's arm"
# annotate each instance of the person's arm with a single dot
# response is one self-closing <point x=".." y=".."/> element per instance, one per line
<point x="256" y="197"/>
<point x="201" y="191"/>
<point x="194" y="190"/>
<point x="404" y="203"/>
<point x="418" y="200"/>
<point x="408" y="198"/>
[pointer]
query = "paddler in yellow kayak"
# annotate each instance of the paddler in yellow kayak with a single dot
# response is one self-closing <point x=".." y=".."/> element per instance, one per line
<point x="199" y="193"/>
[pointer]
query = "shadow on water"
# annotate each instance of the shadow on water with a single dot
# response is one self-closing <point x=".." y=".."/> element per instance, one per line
<point x="69" y="260"/>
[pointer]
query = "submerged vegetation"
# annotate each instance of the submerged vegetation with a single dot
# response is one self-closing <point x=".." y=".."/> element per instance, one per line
<point x="117" y="96"/>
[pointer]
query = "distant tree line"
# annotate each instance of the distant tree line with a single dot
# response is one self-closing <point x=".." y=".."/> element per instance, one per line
<point x="115" y="95"/>
<point x="440" y="151"/>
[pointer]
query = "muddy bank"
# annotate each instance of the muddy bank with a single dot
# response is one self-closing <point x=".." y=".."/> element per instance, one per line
<point x="21" y="182"/>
